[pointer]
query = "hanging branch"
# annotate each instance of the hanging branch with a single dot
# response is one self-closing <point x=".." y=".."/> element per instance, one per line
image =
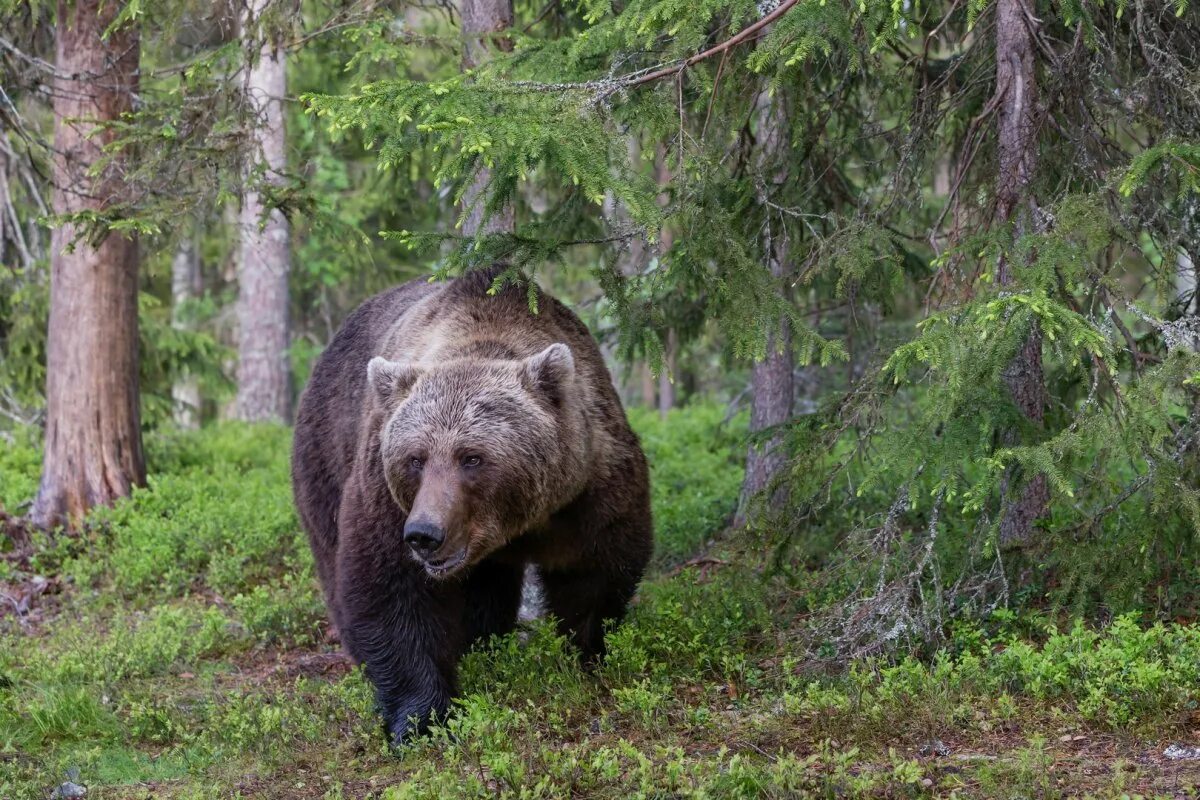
<point x="732" y="41"/>
<point x="606" y="87"/>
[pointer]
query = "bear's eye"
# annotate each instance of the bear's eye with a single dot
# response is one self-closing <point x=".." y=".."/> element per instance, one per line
<point x="471" y="461"/>
<point x="416" y="462"/>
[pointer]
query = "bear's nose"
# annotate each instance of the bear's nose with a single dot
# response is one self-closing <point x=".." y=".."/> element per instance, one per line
<point x="423" y="537"/>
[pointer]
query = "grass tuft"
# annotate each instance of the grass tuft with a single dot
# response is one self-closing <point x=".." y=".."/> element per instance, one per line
<point x="185" y="658"/>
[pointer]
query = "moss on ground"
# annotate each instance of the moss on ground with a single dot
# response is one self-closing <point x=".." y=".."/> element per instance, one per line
<point x="177" y="650"/>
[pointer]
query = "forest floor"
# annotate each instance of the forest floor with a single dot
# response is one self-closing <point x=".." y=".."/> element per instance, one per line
<point x="177" y="649"/>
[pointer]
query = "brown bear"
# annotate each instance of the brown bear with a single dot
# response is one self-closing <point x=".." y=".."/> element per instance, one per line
<point x="448" y="437"/>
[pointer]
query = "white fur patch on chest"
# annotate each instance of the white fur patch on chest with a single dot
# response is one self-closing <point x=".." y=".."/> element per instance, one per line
<point x="532" y="602"/>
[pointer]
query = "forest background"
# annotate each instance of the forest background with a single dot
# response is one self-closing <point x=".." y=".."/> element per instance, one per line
<point x="902" y="298"/>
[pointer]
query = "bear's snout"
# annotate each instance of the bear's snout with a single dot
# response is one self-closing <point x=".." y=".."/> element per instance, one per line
<point x="435" y="530"/>
<point x="423" y="537"/>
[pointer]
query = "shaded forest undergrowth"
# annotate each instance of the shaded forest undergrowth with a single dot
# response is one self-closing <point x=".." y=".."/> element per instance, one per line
<point x="177" y="649"/>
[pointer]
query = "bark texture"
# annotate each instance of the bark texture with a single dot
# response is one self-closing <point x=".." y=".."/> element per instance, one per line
<point x="264" y="374"/>
<point x="1016" y="83"/>
<point x="638" y="384"/>
<point x="648" y="389"/>
<point x="666" y="372"/>
<point x="772" y="380"/>
<point x="93" y="449"/>
<point x="666" y="376"/>
<point x="482" y="21"/>
<point x="185" y="287"/>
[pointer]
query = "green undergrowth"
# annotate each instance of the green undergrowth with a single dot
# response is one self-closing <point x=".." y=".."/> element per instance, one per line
<point x="183" y="656"/>
<point x="20" y="462"/>
<point x="696" y="469"/>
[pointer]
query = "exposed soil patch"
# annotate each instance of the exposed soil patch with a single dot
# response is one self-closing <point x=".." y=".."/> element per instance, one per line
<point x="26" y="599"/>
<point x="16" y="543"/>
<point x="266" y="664"/>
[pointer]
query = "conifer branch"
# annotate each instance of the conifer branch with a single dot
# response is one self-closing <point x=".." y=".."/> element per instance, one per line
<point x="545" y="12"/>
<point x="732" y="41"/>
<point x="607" y="87"/>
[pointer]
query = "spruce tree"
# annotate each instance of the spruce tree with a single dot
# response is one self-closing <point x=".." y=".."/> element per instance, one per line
<point x="1033" y="351"/>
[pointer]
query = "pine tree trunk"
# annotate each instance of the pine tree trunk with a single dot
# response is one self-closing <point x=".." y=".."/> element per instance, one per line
<point x="1187" y="282"/>
<point x="481" y="21"/>
<point x="93" y="449"/>
<point x="1187" y="264"/>
<point x="666" y="376"/>
<point x="639" y="384"/>
<point x="772" y="380"/>
<point x="263" y="374"/>
<point x="1016" y="81"/>
<point x="649" y="390"/>
<point x="666" y="372"/>
<point x="185" y="287"/>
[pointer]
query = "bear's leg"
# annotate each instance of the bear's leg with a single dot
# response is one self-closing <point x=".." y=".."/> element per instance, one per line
<point x="582" y="600"/>
<point x="407" y="631"/>
<point x="493" y="596"/>
<point x="318" y="498"/>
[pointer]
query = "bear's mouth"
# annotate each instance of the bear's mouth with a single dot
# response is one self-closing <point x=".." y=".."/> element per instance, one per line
<point x="442" y="568"/>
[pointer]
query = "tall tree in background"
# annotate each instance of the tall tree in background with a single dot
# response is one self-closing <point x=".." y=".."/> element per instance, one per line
<point x="263" y="372"/>
<point x="93" y="448"/>
<point x="482" y="22"/>
<point x="771" y="379"/>
<point x="1016" y="91"/>
<point x="638" y="382"/>
<point x="666" y="370"/>
<point x="185" y="289"/>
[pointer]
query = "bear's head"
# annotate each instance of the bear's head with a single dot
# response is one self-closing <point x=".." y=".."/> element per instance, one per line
<point x="475" y="451"/>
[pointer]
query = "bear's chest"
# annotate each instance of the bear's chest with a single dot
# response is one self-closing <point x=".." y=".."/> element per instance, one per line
<point x="557" y="543"/>
<point x="547" y="546"/>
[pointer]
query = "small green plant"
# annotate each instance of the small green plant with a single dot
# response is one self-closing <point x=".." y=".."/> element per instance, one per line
<point x="20" y="463"/>
<point x="289" y="609"/>
<point x="215" y="669"/>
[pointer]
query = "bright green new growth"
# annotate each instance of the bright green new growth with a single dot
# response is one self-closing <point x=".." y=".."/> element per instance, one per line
<point x="191" y="689"/>
<point x="908" y="298"/>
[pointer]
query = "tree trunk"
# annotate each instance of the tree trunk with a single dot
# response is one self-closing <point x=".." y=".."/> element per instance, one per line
<point x="1187" y="283"/>
<point x="1016" y="83"/>
<point x="666" y="375"/>
<point x="482" y="20"/>
<point x="772" y="379"/>
<point x="264" y="374"/>
<point x="943" y="175"/>
<point x="93" y="449"/>
<point x="639" y="384"/>
<point x="666" y="372"/>
<point x="185" y="287"/>
<point x="1187" y="264"/>
<point x="649" y="390"/>
<point x="1187" y="287"/>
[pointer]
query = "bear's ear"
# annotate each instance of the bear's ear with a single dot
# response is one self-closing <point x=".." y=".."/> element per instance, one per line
<point x="390" y="380"/>
<point x="550" y="370"/>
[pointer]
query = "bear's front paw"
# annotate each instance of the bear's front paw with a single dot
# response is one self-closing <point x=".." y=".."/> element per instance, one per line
<point x="403" y="730"/>
<point x="413" y="720"/>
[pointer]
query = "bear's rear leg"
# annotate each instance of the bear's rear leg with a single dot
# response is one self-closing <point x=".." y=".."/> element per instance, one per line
<point x="583" y="601"/>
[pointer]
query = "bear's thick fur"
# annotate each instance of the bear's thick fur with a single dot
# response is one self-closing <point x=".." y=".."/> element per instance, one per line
<point x="446" y="439"/>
